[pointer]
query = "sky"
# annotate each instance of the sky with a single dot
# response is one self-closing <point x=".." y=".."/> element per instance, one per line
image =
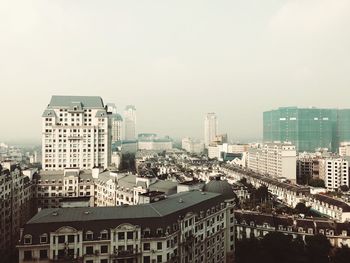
<point x="174" y="60"/>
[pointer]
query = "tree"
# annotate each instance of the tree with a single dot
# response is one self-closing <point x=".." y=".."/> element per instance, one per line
<point x="317" y="183"/>
<point x="344" y="188"/>
<point x="244" y="250"/>
<point x="276" y="248"/>
<point x="317" y="249"/>
<point x="341" y="255"/>
<point x="301" y="208"/>
<point x="262" y="193"/>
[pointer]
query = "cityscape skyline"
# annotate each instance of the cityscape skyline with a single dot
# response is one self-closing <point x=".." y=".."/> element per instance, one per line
<point x="229" y="59"/>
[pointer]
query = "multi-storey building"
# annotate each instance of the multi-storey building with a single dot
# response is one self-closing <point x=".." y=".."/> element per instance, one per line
<point x="130" y="123"/>
<point x="75" y="133"/>
<point x="210" y="128"/>
<point x="344" y="149"/>
<point x="252" y="224"/>
<point x="116" y="123"/>
<point x="106" y="188"/>
<point x="308" y="128"/>
<point x="274" y="159"/>
<point x="335" y="172"/>
<point x="155" y="144"/>
<point x="52" y="186"/>
<point x="186" y="227"/>
<point x="115" y="189"/>
<point x="16" y="207"/>
<point x="192" y="146"/>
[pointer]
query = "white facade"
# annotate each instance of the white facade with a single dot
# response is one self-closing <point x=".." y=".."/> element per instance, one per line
<point x="130" y="123"/>
<point x="344" y="149"/>
<point x="210" y="128"/>
<point x="274" y="159"/>
<point x="335" y="172"/>
<point x="192" y="146"/>
<point x="75" y="133"/>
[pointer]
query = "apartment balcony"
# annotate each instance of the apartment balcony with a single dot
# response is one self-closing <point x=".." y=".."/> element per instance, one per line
<point x="125" y="254"/>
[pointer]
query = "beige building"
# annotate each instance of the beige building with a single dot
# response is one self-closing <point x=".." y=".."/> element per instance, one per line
<point x="16" y="207"/>
<point x="186" y="227"/>
<point x="274" y="159"/>
<point x="76" y="133"/>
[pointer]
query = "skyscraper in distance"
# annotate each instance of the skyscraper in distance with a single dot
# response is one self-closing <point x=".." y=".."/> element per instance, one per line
<point x="130" y="123"/>
<point x="210" y="128"/>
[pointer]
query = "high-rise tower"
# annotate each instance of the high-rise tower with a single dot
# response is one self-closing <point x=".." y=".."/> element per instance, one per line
<point x="130" y="123"/>
<point x="75" y="133"/>
<point x="210" y="128"/>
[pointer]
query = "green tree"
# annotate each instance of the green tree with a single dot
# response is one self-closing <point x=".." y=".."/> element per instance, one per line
<point x="316" y="183"/>
<point x="317" y="249"/>
<point x="276" y="248"/>
<point x="344" y="188"/>
<point x="341" y="255"/>
<point x="244" y="250"/>
<point x="262" y="194"/>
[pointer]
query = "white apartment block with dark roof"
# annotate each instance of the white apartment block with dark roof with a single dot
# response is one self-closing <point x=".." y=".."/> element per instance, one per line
<point x="75" y="133"/>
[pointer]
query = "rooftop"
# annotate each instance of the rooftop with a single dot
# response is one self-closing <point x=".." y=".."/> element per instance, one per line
<point x="68" y="101"/>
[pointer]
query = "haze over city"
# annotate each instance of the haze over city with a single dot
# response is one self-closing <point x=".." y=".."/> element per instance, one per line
<point x="174" y="60"/>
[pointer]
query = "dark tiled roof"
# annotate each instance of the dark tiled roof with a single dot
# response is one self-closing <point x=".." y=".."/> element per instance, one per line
<point x="332" y="201"/>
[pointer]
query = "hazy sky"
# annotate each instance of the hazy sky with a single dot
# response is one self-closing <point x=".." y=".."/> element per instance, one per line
<point x="174" y="60"/>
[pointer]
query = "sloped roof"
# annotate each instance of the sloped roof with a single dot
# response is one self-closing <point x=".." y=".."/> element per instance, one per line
<point x="68" y="101"/>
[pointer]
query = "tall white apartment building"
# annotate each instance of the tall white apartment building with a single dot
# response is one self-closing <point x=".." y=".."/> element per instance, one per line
<point x="210" y="128"/>
<point x="116" y="122"/>
<point x="274" y="159"/>
<point x="335" y="172"/>
<point x="75" y="133"/>
<point x="130" y="123"/>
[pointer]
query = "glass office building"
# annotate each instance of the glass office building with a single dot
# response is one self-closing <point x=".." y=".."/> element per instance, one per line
<point x="308" y="128"/>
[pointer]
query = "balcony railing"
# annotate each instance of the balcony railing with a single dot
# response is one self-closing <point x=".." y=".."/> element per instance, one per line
<point x="120" y="254"/>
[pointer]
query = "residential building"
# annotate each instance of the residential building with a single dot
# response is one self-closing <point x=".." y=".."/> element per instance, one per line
<point x="187" y="227"/>
<point x="274" y="159"/>
<point x="192" y="146"/>
<point x="308" y="128"/>
<point x="16" y="208"/>
<point x="151" y="142"/>
<point x="210" y="128"/>
<point x="53" y="186"/>
<point x="344" y="149"/>
<point x="75" y="133"/>
<point x="250" y="224"/>
<point x="335" y="172"/>
<point x="116" y="123"/>
<point x="130" y="123"/>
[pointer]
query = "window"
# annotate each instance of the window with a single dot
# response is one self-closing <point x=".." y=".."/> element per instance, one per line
<point x="89" y="235"/>
<point x="71" y="239"/>
<point x="27" y="239"/>
<point x="43" y="239"/>
<point x="159" y="245"/>
<point x="43" y="254"/>
<point x="104" y="261"/>
<point x="27" y="255"/>
<point x="146" y="246"/>
<point x="159" y="259"/>
<point x="90" y="250"/>
<point x="61" y="239"/>
<point x="130" y="235"/>
<point x="104" y="235"/>
<point x="104" y="249"/>
<point x="121" y="236"/>
<point x="146" y="259"/>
